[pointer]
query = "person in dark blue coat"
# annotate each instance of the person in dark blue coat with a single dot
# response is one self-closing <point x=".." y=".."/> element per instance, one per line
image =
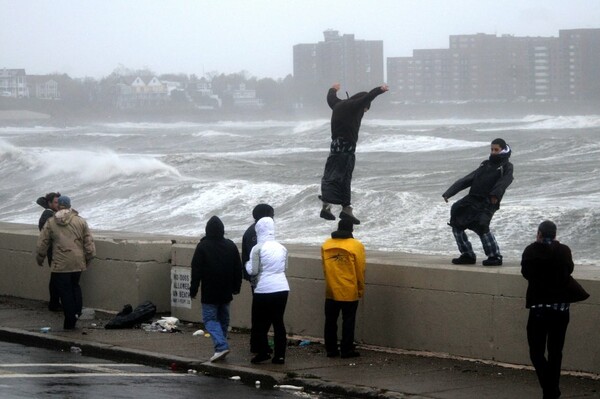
<point x="216" y="264"/>
<point x="346" y="118"/>
<point x="475" y="211"/>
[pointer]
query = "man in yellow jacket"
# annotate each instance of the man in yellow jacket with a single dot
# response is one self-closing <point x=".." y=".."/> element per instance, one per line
<point x="344" y="264"/>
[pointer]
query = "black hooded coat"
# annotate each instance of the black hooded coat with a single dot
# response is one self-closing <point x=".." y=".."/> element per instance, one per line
<point x="345" y="123"/>
<point x="475" y="211"/>
<point x="216" y="264"/>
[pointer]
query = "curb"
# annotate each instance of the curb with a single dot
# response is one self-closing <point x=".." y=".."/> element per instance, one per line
<point x="247" y="375"/>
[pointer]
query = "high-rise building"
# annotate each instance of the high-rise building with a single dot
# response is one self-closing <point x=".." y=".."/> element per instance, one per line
<point x="489" y="68"/>
<point x="580" y="64"/>
<point x="356" y="64"/>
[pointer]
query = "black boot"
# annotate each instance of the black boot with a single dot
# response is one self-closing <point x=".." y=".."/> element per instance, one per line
<point x="346" y="213"/>
<point x="465" y="259"/>
<point x="493" y="261"/>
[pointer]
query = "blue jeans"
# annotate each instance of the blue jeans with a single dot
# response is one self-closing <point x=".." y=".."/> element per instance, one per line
<point x="216" y="322"/>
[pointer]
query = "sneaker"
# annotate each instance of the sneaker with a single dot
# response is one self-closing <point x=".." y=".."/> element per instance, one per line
<point x="278" y="360"/>
<point x="346" y="355"/>
<point x="464" y="259"/>
<point x="219" y="355"/>
<point x="493" y="261"/>
<point x="346" y="213"/>
<point x="326" y="214"/>
<point x="333" y="354"/>
<point x="261" y="357"/>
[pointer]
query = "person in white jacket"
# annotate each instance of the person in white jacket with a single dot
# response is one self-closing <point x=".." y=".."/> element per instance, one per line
<point x="268" y="262"/>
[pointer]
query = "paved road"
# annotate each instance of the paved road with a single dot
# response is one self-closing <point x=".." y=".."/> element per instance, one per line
<point x="28" y="372"/>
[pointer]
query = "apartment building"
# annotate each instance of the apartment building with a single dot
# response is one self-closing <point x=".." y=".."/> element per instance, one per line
<point x="356" y="64"/>
<point x="485" y="67"/>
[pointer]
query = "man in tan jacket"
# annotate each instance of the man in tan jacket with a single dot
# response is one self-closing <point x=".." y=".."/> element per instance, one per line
<point x="344" y="263"/>
<point x="72" y="251"/>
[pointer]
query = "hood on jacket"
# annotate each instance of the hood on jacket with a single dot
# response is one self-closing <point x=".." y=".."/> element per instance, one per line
<point x="265" y="230"/>
<point x="64" y="216"/>
<point x="502" y="156"/>
<point x="215" y="228"/>
<point x="43" y="202"/>
<point x="262" y="210"/>
<point x="359" y="96"/>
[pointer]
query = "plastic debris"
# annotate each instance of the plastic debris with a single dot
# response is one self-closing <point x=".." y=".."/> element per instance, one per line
<point x="198" y="332"/>
<point x="45" y="329"/>
<point x="76" y="349"/>
<point x="165" y="324"/>
<point x="257" y="383"/>
<point x="235" y="378"/>
<point x="207" y="335"/>
<point x="304" y="342"/>
<point x="168" y="323"/>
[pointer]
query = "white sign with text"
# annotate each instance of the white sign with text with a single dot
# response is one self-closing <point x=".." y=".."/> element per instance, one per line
<point x="181" y="278"/>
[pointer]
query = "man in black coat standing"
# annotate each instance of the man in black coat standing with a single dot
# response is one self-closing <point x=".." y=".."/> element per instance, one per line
<point x="547" y="265"/>
<point x="216" y="263"/>
<point x="475" y="211"/>
<point x="50" y="204"/>
<point x="346" y="118"/>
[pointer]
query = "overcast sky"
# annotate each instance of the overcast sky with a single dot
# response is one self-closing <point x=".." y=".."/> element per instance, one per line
<point x="92" y="37"/>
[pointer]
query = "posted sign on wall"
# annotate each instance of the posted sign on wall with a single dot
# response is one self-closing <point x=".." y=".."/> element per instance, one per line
<point x="180" y="287"/>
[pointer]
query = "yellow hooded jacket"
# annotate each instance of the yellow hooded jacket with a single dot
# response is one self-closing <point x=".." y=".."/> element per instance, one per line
<point x="344" y="265"/>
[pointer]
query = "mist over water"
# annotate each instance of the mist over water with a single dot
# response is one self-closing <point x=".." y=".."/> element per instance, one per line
<point x="170" y="178"/>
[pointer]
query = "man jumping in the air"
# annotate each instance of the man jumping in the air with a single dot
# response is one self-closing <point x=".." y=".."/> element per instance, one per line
<point x="345" y="124"/>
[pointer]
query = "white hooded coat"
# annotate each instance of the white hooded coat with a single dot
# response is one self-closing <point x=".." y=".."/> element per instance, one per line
<point x="268" y="259"/>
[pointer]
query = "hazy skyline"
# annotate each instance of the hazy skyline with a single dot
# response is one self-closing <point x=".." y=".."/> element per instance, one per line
<point x="92" y="37"/>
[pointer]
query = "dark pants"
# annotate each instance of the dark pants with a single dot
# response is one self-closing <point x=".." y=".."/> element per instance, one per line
<point x="332" y="312"/>
<point x="54" y="303"/>
<point x="547" y="327"/>
<point x="268" y="310"/>
<point x="337" y="178"/>
<point x="69" y="292"/>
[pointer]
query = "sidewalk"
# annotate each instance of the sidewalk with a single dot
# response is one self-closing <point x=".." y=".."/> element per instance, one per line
<point x="375" y="374"/>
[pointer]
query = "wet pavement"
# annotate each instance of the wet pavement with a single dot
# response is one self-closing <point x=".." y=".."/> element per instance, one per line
<point x="30" y="372"/>
<point x="377" y="373"/>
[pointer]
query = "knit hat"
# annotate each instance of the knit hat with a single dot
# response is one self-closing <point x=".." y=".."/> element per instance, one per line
<point x="262" y="210"/>
<point x="64" y="201"/>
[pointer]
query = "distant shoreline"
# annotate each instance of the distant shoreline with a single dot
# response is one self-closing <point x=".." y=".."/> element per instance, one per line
<point x="61" y="117"/>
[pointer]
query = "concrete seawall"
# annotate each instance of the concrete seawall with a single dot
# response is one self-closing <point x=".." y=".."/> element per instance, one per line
<point x="413" y="302"/>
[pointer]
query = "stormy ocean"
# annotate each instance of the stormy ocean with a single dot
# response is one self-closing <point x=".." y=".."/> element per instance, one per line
<point x="170" y="178"/>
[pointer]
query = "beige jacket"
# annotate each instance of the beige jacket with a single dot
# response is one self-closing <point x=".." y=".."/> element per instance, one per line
<point x="72" y="243"/>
